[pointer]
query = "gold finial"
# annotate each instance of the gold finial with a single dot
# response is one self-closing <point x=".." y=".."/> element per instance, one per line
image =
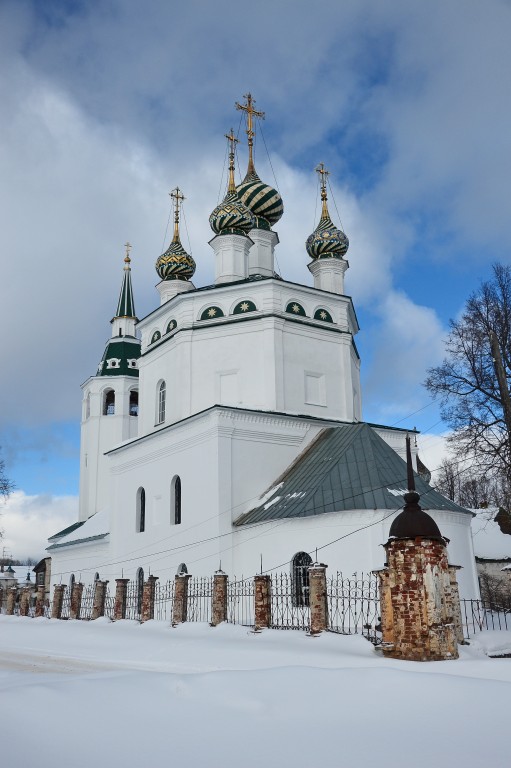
<point x="178" y="198"/>
<point x="231" y="138"/>
<point x="251" y="112"/>
<point x="323" y="173"/>
<point x="127" y="259"/>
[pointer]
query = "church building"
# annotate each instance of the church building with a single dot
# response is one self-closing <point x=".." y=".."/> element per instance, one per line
<point x="225" y="427"/>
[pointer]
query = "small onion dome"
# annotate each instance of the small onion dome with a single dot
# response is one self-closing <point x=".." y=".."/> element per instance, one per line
<point x="232" y="217"/>
<point x="175" y="263"/>
<point x="413" y="522"/>
<point x="327" y="242"/>
<point x="264" y="201"/>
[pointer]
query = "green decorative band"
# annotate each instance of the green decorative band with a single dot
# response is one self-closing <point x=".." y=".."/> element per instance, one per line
<point x="327" y="241"/>
<point x="231" y="217"/>
<point x="175" y="263"/>
<point x="294" y="308"/>
<point x="211" y="313"/>
<point x="244" y="306"/>
<point x="323" y="315"/>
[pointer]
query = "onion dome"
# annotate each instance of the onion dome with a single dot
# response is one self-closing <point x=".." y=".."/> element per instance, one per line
<point x="264" y="201"/>
<point x="326" y="242"/>
<point x="175" y="263"/>
<point x="413" y="522"/>
<point x="231" y="217"/>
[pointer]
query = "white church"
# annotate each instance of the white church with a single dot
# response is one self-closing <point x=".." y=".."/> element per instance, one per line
<point x="226" y="426"/>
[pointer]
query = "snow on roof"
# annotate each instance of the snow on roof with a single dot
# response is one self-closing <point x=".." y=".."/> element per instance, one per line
<point x="96" y="527"/>
<point x="489" y="541"/>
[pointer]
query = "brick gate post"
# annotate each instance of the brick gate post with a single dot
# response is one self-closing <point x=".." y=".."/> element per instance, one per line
<point x="219" y="599"/>
<point x="262" y="601"/>
<point x="58" y="599"/>
<point x="317" y="598"/>
<point x="180" y="607"/>
<point x="121" y="589"/>
<point x="76" y="600"/>
<point x="148" y="595"/>
<point x="98" y="607"/>
<point x="39" y="602"/>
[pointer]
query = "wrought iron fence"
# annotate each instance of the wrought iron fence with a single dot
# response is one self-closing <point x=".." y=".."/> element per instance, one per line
<point x="354" y="605"/>
<point x="134" y="593"/>
<point x="66" y="603"/>
<point x="87" y="603"/>
<point x="200" y="593"/>
<point x="109" y="604"/>
<point x="163" y="600"/>
<point x="480" y="615"/>
<point x="289" y="608"/>
<point x="240" y="602"/>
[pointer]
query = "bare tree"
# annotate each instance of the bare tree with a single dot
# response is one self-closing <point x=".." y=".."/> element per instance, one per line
<point x="6" y="485"/>
<point x="472" y="383"/>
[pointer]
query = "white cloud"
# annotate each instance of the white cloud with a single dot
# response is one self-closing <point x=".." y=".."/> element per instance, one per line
<point x="28" y="521"/>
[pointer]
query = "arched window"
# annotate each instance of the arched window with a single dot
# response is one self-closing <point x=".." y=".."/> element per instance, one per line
<point x="294" y="308"/>
<point x="108" y="402"/>
<point x="182" y="569"/>
<point x="140" y="589"/>
<point x="175" y="500"/>
<point x="300" y="578"/>
<point x="134" y="402"/>
<point x="160" y="406"/>
<point x="140" y="510"/>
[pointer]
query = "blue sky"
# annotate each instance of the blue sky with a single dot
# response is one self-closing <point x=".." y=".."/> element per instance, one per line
<point x="109" y="105"/>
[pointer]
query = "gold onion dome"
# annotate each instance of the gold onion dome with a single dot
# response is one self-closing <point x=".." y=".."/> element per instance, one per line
<point x="175" y="263"/>
<point x="231" y="217"/>
<point x="264" y="201"/>
<point x="327" y="241"/>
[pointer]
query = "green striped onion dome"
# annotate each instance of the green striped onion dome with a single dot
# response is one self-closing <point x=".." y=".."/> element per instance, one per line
<point x="327" y="242"/>
<point x="232" y="217"/>
<point x="264" y="201"/>
<point x="175" y="263"/>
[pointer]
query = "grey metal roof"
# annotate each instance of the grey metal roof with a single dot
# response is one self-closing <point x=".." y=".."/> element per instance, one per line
<point x="346" y="467"/>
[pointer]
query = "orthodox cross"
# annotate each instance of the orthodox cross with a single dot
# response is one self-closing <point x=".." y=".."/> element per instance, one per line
<point x="127" y="259"/>
<point x="323" y="175"/>
<point x="231" y="138"/>
<point x="178" y="198"/>
<point x="251" y="112"/>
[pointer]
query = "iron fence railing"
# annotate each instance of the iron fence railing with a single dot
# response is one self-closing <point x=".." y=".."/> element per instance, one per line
<point x="87" y="603"/>
<point x="354" y="605"/>
<point x="289" y="606"/>
<point x="200" y="594"/>
<point x="480" y="615"/>
<point x="240" y="602"/>
<point x="163" y="600"/>
<point x="66" y="603"/>
<point x="134" y="600"/>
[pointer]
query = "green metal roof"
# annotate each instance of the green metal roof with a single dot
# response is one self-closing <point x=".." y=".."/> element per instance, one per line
<point x="119" y="350"/>
<point x="126" y="304"/>
<point x="346" y="467"/>
<point x="65" y="531"/>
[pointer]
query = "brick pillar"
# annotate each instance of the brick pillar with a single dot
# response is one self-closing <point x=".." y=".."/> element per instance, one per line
<point x="98" y="607"/>
<point x="317" y="598"/>
<point x="262" y="599"/>
<point x="121" y="589"/>
<point x="76" y="600"/>
<point x="456" y="605"/>
<point x="219" y="599"/>
<point x="25" y="600"/>
<point x="39" y="602"/>
<point x="416" y="594"/>
<point x="180" y="607"/>
<point x="386" y="612"/>
<point x="11" y="600"/>
<point x="148" y="598"/>
<point x="1" y="599"/>
<point x="58" y="599"/>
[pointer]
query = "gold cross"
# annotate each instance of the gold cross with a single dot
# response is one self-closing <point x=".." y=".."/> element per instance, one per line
<point x="127" y="259"/>
<point x="178" y="196"/>
<point x="251" y="112"/>
<point x="231" y="138"/>
<point x="323" y="173"/>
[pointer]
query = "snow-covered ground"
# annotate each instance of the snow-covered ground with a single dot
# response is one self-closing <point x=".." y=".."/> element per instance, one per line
<point x="122" y="694"/>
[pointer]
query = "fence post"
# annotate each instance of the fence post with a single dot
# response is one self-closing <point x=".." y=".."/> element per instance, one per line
<point x="121" y="589"/>
<point x="76" y="600"/>
<point x="39" y="602"/>
<point x="180" y="607"/>
<point x="25" y="600"/>
<point x="11" y="600"/>
<point x="317" y="598"/>
<point x="1" y="599"/>
<point x="262" y="601"/>
<point x="58" y="599"/>
<point x="148" y="594"/>
<point x="219" y="599"/>
<point x="98" y="608"/>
